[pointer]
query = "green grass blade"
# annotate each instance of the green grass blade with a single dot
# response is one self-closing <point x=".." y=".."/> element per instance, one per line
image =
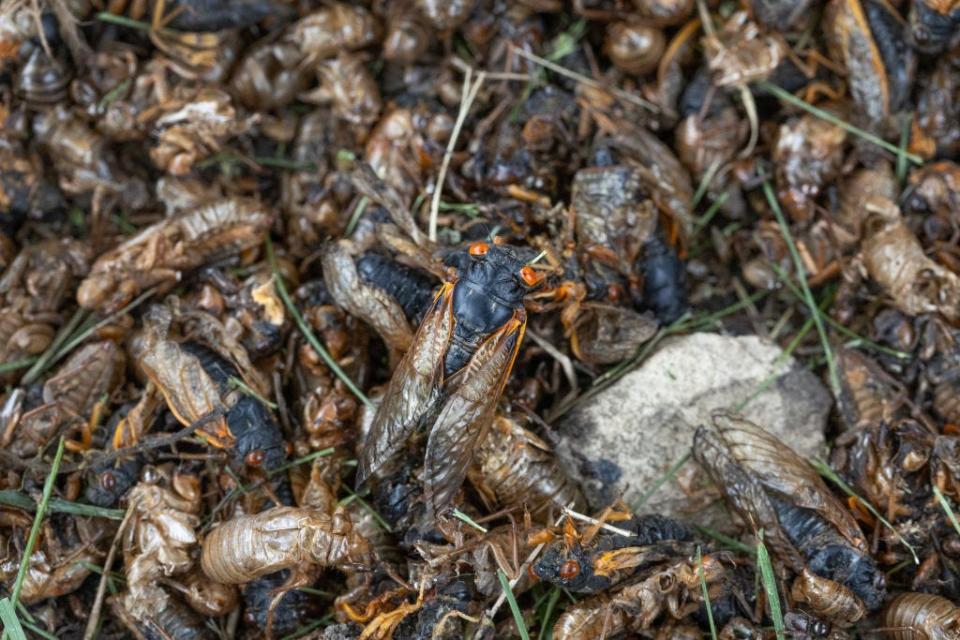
<point x="37" y="521"/>
<point x="247" y="389"/>
<point x="663" y="479"/>
<point x="310" y="457"/>
<point x="34" y="373"/>
<point x="902" y="156"/>
<point x="942" y="499"/>
<point x="22" y="501"/>
<point x="470" y="521"/>
<point x="786" y="96"/>
<point x="13" y="365"/>
<point x="352" y="495"/>
<point x="824" y="470"/>
<point x="702" y="223"/>
<point x="11" y="623"/>
<point x="839" y="328"/>
<point x="308" y="332"/>
<point x="514" y="607"/>
<point x="546" y="629"/>
<point x="807" y="294"/>
<point x="706" y="595"/>
<point x="725" y="540"/>
<point x="769" y="579"/>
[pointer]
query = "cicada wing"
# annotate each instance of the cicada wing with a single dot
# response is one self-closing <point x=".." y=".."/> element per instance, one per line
<point x="369" y="184"/>
<point x="744" y="493"/>
<point x="369" y="303"/>
<point x="781" y="470"/>
<point x="468" y="412"/>
<point x="413" y="391"/>
<point x="186" y="387"/>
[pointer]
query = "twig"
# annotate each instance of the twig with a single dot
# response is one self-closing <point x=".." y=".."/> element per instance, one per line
<point x="462" y="66"/>
<point x="559" y="356"/>
<point x="94" y="619"/>
<point x="590" y="82"/>
<point x="468" y="95"/>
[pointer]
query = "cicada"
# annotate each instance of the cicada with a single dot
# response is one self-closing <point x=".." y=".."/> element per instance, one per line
<point x="448" y="383"/>
<point x="597" y="560"/>
<point x="804" y="525"/>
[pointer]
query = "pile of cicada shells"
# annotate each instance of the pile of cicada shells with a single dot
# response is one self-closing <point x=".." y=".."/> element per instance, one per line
<point x="293" y="293"/>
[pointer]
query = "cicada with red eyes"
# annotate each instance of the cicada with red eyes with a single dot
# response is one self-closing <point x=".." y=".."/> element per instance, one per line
<point x="446" y="387"/>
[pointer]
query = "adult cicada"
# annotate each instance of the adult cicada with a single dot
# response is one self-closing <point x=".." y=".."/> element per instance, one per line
<point x="447" y="385"/>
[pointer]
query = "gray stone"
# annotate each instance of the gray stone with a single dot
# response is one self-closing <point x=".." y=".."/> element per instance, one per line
<point x="624" y="439"/>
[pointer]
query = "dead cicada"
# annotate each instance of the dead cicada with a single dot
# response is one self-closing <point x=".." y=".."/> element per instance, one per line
<point x="806" y="527"/>
<point x="447" y="386"/>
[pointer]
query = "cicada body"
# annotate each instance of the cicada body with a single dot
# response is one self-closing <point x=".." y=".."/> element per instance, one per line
<point x="804" y="524"/>
<point x="447" y="385"/>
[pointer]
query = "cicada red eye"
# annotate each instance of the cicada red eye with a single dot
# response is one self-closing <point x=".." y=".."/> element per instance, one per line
<point x="614" y="292"/>
<point x="255" y="458"/>
<point x="479" y="248"/>
<point x="569" y="569"/>
<point x="530" y="276"/>
<point x="108" y="481"/>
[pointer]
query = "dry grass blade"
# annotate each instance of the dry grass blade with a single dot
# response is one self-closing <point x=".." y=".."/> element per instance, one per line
<point x="467" y="96"/>
<point x="514" y="607"/>
<point x="590" y="82"/>
<point x="308" y="332"/>
<point x="769" y="580"/>
<point x="824" y="469"/>
<point x="706" y="595"/>
<point x="815" y="312"/>
<point x="94" y="620"/>
<point x="603" y="525"/>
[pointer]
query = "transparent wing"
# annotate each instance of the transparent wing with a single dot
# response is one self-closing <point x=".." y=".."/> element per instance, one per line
<point x="370" y="304"/>
<point x="413" y="391"/>
<point x="468" y="413"/>
<point x="781" y="470"/>
<point x="744" y="493"/>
